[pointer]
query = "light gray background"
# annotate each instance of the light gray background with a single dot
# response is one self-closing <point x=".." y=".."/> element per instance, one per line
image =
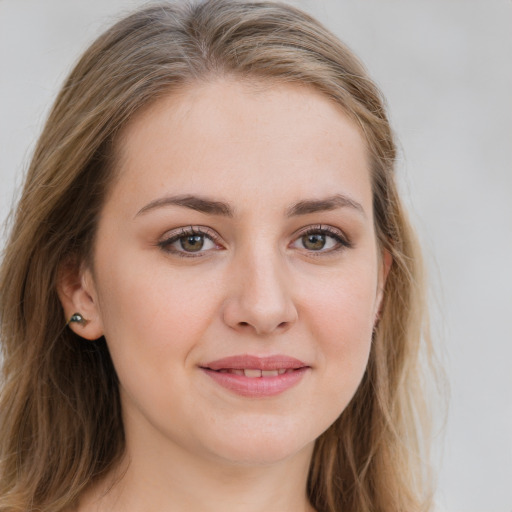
<point x="445" y="68"/>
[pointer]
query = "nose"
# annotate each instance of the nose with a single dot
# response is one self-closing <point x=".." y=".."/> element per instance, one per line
<point x="260" y="299"/>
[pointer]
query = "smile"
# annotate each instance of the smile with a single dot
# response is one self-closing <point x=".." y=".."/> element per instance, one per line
<point x="254" y="373"/>
<point x="257" y="377"/>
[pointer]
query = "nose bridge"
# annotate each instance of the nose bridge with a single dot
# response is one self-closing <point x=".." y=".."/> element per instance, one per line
<point x="265" y="277"/>
<point x="260" y="296"/>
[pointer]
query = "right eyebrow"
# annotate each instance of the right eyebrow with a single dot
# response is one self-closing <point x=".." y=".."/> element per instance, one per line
<point x="200" y="204"/>
<point x="329" y="203"/>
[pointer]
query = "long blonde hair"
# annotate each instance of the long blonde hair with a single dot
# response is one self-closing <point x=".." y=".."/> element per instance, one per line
<point x="60" y="424"/>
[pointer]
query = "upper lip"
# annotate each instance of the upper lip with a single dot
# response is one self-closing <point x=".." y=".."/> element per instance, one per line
<point x="245" y="361"/>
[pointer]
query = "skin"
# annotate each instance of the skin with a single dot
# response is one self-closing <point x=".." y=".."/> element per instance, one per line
<point x="260" y="287"/>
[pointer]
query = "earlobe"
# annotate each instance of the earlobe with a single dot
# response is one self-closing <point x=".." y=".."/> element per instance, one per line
<point x="386" y="260"/>
<point x="77" y="295"/>
<point x="78" y="319"/>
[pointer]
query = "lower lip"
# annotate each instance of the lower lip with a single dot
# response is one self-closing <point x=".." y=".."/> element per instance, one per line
<point x="257" y="387"/>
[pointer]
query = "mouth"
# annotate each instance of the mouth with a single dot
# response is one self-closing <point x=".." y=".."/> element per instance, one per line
<point x="256" y="366"/>
<point x="258" y="377"/>
<point x="254" y="373"/>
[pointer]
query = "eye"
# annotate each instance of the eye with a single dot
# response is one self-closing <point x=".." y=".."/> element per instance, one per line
<point x="321" y="239"/>
<point x="190" y="242"/>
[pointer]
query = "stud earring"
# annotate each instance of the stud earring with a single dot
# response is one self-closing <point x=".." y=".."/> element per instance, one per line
<point x="79" y="319"/>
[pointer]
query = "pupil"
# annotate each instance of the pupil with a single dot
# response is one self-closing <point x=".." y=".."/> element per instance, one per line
<point x="192" y="243"/>
<point x="314" y="242"/>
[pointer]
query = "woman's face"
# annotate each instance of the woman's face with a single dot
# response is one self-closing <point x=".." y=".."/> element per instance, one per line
<point x="236" y="272"/>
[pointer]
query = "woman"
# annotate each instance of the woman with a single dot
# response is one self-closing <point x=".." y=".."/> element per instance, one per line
<point x="211" y="297"/>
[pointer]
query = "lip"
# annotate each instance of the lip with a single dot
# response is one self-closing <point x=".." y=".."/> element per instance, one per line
<point x="256" y="387"/>
<point x="242" y="361"/>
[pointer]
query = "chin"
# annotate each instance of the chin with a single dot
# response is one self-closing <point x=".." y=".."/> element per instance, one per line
<point x="261" y="454"/>
<point x="264" y="445"/>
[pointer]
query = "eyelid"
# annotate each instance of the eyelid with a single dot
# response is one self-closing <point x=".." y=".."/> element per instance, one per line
<point x="172" y="236"/>
<point x="336" y="233"/>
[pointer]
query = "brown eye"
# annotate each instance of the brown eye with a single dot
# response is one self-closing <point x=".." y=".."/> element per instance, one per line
<point x="314" y="242"/>
<point x="192" y="243"/>
<point x="322" y="240"/>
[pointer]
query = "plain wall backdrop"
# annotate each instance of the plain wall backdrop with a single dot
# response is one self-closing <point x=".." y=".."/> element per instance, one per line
<point x="445" y="68"/>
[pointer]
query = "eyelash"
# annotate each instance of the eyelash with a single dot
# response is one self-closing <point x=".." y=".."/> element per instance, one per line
<point x="186" y="232"/>
<point x="342" y="241"/>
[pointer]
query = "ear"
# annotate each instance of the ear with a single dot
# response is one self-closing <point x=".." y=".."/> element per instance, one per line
<point x="77" y="294"/>
<point x="386" y="260"/>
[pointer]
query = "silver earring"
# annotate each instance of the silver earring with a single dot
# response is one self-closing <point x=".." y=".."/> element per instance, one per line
<point x="79" y="319"/>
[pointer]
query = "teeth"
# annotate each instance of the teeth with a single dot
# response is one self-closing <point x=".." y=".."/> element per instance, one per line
<point x="252" y="373"/>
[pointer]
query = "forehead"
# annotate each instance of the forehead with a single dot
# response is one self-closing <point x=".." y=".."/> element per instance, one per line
<point x="231" y="136"/>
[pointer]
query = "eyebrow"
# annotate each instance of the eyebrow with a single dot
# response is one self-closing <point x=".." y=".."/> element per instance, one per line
<point x="201" y="204"/>
<point x="329" y="203"/>
<point x="211" y="207"/>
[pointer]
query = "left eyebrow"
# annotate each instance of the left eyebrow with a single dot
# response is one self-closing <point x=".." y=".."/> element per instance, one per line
<point x="200" y="204"/>
<point x="329" y="203"/>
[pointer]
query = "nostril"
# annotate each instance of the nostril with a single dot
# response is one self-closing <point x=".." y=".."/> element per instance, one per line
<point x="244" y="324"/>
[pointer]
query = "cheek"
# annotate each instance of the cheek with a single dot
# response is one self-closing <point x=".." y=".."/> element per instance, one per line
<point x="342" y="305"/>
<point x="151" y="314"/>
<point x="344" y="327"/>
<point x="153" y="320"/>
<point x="340" y="318"/>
